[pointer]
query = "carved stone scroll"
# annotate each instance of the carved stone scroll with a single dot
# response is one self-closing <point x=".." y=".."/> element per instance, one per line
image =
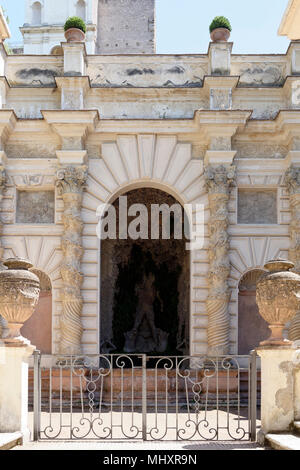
<point x="71" y="183"/>
<point x="292" y="182"/>
<point x="218" y="181"/>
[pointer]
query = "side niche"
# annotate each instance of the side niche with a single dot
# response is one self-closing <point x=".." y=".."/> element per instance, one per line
<point x="35" y="207"/>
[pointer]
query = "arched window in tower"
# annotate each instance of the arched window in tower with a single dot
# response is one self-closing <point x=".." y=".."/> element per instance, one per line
<point x="81" y="9"/>
<point x="36" y="13"/>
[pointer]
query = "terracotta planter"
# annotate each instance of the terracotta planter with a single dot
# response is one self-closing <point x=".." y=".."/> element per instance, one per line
<point x="278" y="298"/>
<point x="74" y="35"/>
<point x="19" y="295"/>
<point x="220" y="34"/>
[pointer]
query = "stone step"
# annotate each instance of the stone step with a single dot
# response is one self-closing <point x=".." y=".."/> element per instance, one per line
<point x="283" y="441"/>
<point x="10" y="440"/>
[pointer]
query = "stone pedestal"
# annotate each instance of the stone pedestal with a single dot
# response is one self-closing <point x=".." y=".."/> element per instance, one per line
<point x="219" y="54"/>
<point x="74" y="58"/>
<point x="277" y="389"/>
<point x="14" y="389"/>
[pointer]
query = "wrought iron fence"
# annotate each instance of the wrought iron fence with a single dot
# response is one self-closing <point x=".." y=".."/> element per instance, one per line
<point x="146" y="397"/>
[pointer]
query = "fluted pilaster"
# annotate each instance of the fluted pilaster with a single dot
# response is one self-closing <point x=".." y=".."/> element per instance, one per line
<point x="71" y="183"/>
<point x="218" y="181"/>
<point x="292" y="182"/>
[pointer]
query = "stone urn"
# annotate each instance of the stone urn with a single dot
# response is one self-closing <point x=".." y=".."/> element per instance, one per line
<point x="74" y="35"/>
<point x="220" y="34"/>
<point x="278" y="298"/>
<point x="19" y="295"/>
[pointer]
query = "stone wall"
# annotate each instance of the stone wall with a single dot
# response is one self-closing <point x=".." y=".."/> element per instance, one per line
<point x="126" y="27"/>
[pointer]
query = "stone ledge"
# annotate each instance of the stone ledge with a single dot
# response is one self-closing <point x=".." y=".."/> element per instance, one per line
<point x="10" y="440"/>
<point x="283" y="441"/>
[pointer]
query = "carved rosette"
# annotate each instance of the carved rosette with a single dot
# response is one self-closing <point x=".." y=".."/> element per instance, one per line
<point x="218" y="181"/>
<point x="2" y="187"/>
<point x="292" y="182"/>
<point x="71" y="183"/>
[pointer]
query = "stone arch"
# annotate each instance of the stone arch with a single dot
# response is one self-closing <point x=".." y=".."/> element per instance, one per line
<point x="132" y="161"/>
<point x="162" y="255"/>
<point x="36" y="13"/>
<point x="81" y="9"/>
<point x="252" y="328"/>
<point x="38" y="329"/>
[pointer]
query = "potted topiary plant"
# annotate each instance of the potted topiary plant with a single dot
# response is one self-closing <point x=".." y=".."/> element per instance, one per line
<point x="75" y="29"/>
<point x="220" y="29"/>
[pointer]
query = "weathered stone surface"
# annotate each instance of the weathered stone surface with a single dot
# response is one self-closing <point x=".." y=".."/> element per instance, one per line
<point x="71" y="183"/>
<point x="218" y="181"/>
<point x="277" y="394"/>
<point x="252" y="328"/>
<point x="117" y="254"/>
<point x="261" y="74"/>
<point x="170" y="72"/>
<point x="257" y="206"/>
<point x="35" y="207"/>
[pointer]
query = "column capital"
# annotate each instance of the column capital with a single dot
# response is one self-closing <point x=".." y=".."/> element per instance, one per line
<point x="219" y="178"/>
<point x="71" y="179"/>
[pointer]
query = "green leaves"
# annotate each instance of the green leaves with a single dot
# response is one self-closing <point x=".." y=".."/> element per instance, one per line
<point x="220" y="22"/>
<point x="75" y="22"/>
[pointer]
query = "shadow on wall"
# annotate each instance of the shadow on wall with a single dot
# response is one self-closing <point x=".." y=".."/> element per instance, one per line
<point x="38" y="329"/>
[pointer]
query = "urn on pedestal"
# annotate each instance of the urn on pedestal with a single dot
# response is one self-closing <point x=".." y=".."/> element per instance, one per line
<point x="19" y="295"/>
<point x="278" y="298"/>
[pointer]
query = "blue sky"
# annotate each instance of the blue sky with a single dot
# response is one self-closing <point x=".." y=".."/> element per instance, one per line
<point x="182" y="25"/>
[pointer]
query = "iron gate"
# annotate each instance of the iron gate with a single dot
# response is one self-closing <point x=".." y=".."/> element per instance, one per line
<point x="145" y="397"/>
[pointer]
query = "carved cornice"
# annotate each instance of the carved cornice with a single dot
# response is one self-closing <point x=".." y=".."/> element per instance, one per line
<point x="219" y="178"/>
<point x="71" y="179"/>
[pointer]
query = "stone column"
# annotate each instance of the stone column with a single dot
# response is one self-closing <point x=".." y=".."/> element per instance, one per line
<point x="71" y="182"/>
<point x="2" y="186"/>
<point x="292" y="182"/>
<point x="218" y="181"/>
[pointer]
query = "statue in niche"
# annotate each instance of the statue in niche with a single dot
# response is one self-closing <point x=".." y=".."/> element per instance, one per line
<point x="145" y="337"/>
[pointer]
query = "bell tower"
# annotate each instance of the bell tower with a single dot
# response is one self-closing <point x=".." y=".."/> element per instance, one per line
<point x="44" y="21"/>
<point x="126" y="27"/>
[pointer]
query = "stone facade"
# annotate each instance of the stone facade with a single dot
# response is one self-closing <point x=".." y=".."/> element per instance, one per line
<point x="173" y="123"/>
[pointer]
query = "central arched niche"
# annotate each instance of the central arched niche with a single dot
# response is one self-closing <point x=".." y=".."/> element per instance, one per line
<point x="124" y="265"/>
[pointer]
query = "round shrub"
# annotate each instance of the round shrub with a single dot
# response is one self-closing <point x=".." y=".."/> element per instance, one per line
<point x="220" y="22"/>
<point x="75" y="22"/>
